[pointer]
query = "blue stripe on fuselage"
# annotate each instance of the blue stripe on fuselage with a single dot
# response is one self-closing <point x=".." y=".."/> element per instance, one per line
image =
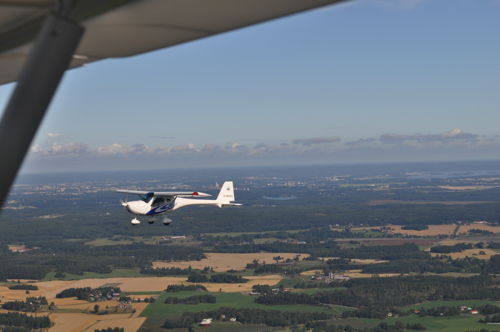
<point x="160" y="209"/>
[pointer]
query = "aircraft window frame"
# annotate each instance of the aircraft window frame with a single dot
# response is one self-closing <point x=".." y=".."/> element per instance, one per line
<point x="158" y="201"/>
<point x="146" y="198"/>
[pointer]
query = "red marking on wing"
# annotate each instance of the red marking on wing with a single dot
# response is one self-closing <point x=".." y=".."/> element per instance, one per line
<point x="195" y="193"/>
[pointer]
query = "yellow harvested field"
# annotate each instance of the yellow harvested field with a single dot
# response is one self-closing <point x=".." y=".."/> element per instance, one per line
<point x="361" y="229"/>
<point x="129" y="324"/>
<point x="49" y="289"/>
<point x="222" y="262"/>
<point x="73" y="303"/>
<point x="358" y="274"/>
<point x="367" y="261"/>
<point x="76" y="322"/>
<point x="244" y="287"/>
<point x="470" y="253"/>
<point x="79" y="321"/>
<point x="310" y="272"/>
<point x="484" y="227"/>
<point x="7" y="294"/>
<point x="71" y="322"/>
<point x="433" y="230"/>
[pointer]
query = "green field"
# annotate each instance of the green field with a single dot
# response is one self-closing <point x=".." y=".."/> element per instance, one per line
<point x="107" y="242"/>
<point x="462" y="323"/>
<point x="232" y="300"/>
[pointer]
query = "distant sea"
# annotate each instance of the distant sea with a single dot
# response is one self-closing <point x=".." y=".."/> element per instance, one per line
<point x="424" y="170"/>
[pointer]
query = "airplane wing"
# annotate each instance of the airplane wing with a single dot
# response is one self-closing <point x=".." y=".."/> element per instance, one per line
<point x="165" y="193"/>
<point x="128" y="27"/>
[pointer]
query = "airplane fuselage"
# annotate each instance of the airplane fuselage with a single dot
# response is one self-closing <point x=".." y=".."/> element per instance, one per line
<point x="147" y="209"/>
<point x="154" y="204"/>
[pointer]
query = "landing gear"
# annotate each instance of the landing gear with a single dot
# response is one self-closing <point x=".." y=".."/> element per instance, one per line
<point x="135" y="221"/>
<point x="167" y="221"/>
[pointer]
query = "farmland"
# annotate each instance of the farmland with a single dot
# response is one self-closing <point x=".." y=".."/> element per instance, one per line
<point x="392" y="231"/>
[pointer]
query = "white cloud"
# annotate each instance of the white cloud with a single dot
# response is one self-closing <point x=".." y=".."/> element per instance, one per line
<point x="446" y="137"/>
<point x="316" y="140"/>
<point x="54" y="135"/>
<point x="449" y="145"/>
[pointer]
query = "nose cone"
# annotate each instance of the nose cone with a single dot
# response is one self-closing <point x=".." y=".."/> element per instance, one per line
<point x="136" y="207"/>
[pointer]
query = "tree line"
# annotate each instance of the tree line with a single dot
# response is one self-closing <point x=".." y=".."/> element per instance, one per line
<point x="20" y="320"/>
<point x="246" y="315"/>
<point x="195" y="299"/>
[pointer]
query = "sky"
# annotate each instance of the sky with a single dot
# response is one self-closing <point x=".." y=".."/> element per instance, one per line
<point x="360" y="82"/>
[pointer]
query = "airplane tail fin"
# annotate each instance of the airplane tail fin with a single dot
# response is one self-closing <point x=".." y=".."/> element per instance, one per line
<point x="226" y="195"/>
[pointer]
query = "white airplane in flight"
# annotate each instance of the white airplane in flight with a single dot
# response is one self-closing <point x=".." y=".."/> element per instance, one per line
<point x="153" y="204"/>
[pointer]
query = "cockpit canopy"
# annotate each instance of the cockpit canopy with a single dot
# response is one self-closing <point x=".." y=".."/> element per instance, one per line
<point x="155" y="201"/>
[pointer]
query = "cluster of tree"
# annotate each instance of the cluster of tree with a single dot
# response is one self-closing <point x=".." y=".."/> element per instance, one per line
<point x="89" y="294"/>
<point x="77" y="258"/>
<point x="281" y="298"/>
<point x="382" y="327"/>
<point x="488" y="309"/>
<point x="227" y="278"/>
<point x="247" y="315"/>
<point x="23" y="287"/>
<point x="405" y="251"/>
<point x="493" y="265"/>
<point x="181" y="288"/>
<point x="444" y="249"/>
<point x="197" y="277"/>
<point x="301" y="283"/>
<point x="494" y="245"/>
<point x="111" y="329"/>
<point x="372" y="311"/>
<point x="166" y="271"/>
<point x="262" y="289"/>
<point x="217" y="278"/>
<point x="491" y="319"/>
<point x="328" y="249"/>
<point x="15" y="319"/>
<point x="435" y="265"/>
<point x="415" y="227"/>
<point x="31" y="304"/>
<point x="340" y="264"/>
<point x="439" y="311"/>
<point x="480" y="232"/>
<point x="385" y="293"/>
<point x="195" y="299"/>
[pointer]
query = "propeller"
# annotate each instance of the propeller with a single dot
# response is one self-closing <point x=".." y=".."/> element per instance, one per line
<point x="124" y="203"/>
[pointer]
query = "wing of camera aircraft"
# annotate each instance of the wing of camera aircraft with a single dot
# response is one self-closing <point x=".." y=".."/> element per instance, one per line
<point x="40" y="39"/>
